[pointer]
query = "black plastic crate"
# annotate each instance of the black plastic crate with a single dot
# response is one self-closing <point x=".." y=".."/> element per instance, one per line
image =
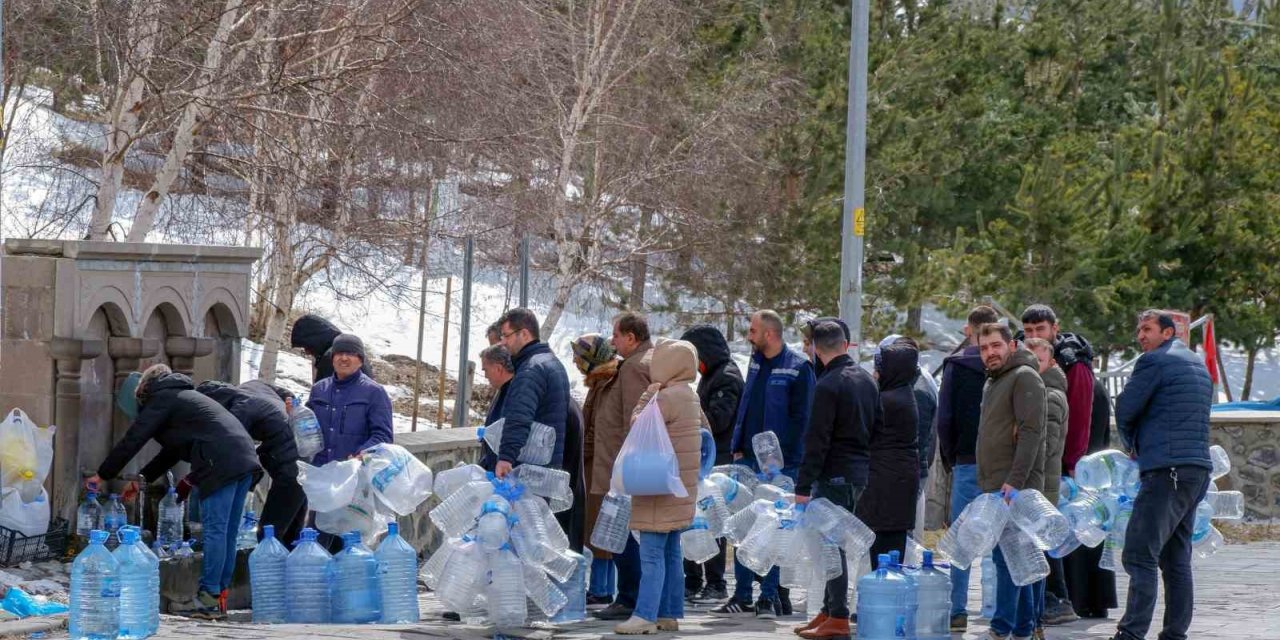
<point x="16" y="548"/>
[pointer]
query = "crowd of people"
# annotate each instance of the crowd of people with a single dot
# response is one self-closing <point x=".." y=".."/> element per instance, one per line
<point x="1012" y="412"/>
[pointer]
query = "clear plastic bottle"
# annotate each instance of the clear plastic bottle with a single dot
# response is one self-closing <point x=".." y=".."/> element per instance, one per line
<point x="542" y="592"/>
<point x="561" y="565"/>
<point x="768" y="452"/>
<point x="541" y="481"/>
<point x="114" y="517"/>
<point x="267" y="579"/>
<point x="989" y="581"/>
<point x="976" y="531"/>
<point x="880" y="597"/>
<point x="397" y="578"/>
<point x="1120" y="524"/>
<point x="740" y="473"/>
<point x="399" y="479"/>
<point x="450" y="480"/>
<point x="534" y="509"/>
<point x="247" y="537"/>
<point x="357" y="598"/>
<point x="153" y="591"/>
<point x="1109" y="560"/>
<point x="184" y="551"/>
<point x="711" y="506"/>
<point x="1070" y="544"/>
<point x="1068" y="490"/>
<point x="539" y="448"/>
<point x="306" y="430"/>
<point x="1206" y="543"/>
<point x="464" y="576"/>
<point x="612" y="524"/>
<point x="933" y="617"/>
<point x="1221" y="462"/>
<point x="308" y="580"/>
<point x="505" y="593"/>
<point x="170" y="519"/>
<point x="137" y="578"/>
<point x="772" y="493"/>
<point x="457" y="514"/>
<point x="433" y="568"/>
<point x="1098" y="471"/>
<point x="1204" y="517"/>
<point x="697" y="542"/>
<point x="574" y="588"/>
<point x="1023" y="556"/>
<point x="1039" y="518"/>
<point x="740" y="524"/>
<point x="736" y="495"/>
<point x="491" y="528"/>
<point x="1226" y="505"/>
<point x="95" y="592"/>
<point x="88" y="515"/>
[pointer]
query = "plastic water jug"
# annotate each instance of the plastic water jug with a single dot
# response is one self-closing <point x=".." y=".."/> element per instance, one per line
<point x="910" y="606"/>
<point x="740" y="473"/>
<point x="397" y="578"/>
<point x="457" y="514"/>
<point x="768" y="452"/>
<point x="450" y="480"/>
<point x="331" y="486"/>
<point x="170" y="519"/>
<point x="306" y="430"/>
<point x="575" y="589"/>
<point x="1101" y="470"/>
<point x="464" y="577"/>
<point x="88" y="515"/>
<point x="1038" y="518"/>
<point x="711" y="505"/>
<point x="247" y="536"/>
<point x="1221" y="462"/>
<point x="772" y="493"/>
<point x="1068" y="490"/>
<point x="535" y="510"/>
<point x="153" y="588"/>
<point x="1071" y="543"/>
<point x="1023" y="557"/>
<point x="539" y="447"/>
<point x="1226" y="505"/>
<point x="114" y="517"/>
<point x="740" y="524"/>
<point x="613" y="523"/>
<point x="736" y="495"/>
<point x="1109" y="560"/>
<point x="881" y="595"/>
<point x="1206" y="543"/>
<point x="399" y="479"/>
<point x="989" y="584"/>
<point x="137" y="578"/>
<point x="491" y="528"/>
<point x="433" y="568"/>
<point x="95" y="592"/>
<point x="1120" y="524"/>
<point x="976" y="531"/>
<point x="697" y="542"/>
<point x="933" y="616"/>
<point x="1087" y="511"/>
<point x="308" y="578"/>
<point x="541" y="481"/>
<point x="542" y="592"/>
<point x="267" y="579"/>
<point x="357" y="598"/>
<point x="505" y="592"/>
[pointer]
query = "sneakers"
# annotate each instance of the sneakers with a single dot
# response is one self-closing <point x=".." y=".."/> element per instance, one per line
<point x="959" y="622"/>
<point x="614" y="611"/>
<point x="635" y="626"/>
<point x="784" y="604"/>
<point x="711" y="595"/>
<point x="1060" y="613"/>
<point x="992" y="635"/>
<point x="203" y="606"/>
<point x="767" y="609"/>
<point x="668" y="624"/>
<point x="734" y="608"/>
<point x="596" y="601"/>
<point x="690" y="594"/>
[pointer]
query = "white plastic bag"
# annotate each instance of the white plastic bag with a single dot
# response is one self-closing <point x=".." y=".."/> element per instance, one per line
<point x="331" y="486"/>
<point x="27" y="518"/>
<point x="362" y="513"/>
<point x="19" y="460"/>
<point x="398" y="478"/>
<point x="647" y="464"/>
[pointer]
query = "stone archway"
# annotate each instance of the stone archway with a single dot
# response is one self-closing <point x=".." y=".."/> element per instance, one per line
<point x="89" y="441"/>
<point x="222" y="361"/>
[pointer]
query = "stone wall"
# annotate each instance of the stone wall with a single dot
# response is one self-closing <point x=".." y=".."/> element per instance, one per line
<point x="439" y="449"/>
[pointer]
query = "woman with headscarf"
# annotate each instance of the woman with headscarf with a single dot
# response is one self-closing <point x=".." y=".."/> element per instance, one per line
<point x="598" y="362"/>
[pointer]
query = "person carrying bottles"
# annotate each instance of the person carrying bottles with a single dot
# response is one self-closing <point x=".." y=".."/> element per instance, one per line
<point x="598" y="362"/>
<point x="837" y="456"/>
<point x="1010" y="455"/>
<point x="888" y="506"/>
<point x="776" y="397"/>
<point x="1162" y="416"/>
<point x="660" y="519"/>
<point x="1055" y="435"/>
<point x="191" y="427"/>
<point x="264" y="410"/>
<point x="719" y="390"/>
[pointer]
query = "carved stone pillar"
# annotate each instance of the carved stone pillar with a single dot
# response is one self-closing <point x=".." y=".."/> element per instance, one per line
<point x="183" y="351"/>
<point x="68" y="354"/>
<point x="126" y="354"/>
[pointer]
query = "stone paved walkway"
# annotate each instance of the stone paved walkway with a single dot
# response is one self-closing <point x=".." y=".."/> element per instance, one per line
<point x="1237" y="598"/>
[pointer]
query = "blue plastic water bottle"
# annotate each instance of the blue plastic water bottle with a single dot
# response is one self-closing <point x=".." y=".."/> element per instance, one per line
<point x="880" y="594"/>
<point x="95" y="592"/>
<point x="135" y="586"/>
<point x="267" y="579"/>
<point x="308" y="576"/>
<point x="397" y="577"/>
<point x="356" y="596"/>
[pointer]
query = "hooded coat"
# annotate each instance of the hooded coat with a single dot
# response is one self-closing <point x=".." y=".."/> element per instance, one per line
<point x="720" y="387"/>
<point x="960" y="407"/>
<point x="602" y="416"/>
<point x="190" y="427"/>
<point x="315" y="334"/>
<point x="672" y="370"/>
<point x="260" y="408"/>
<point x="1055" y="428"/>
<point x="889" y="502"/>
<point x="1011" y="436"/>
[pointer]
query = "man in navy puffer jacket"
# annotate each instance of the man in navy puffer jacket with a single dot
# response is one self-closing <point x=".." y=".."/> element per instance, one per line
<point x="1163" y="417"/>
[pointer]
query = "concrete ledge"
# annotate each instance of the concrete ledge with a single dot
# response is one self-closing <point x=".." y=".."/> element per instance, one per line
<point x="438" y="440"/>
<point x="26" y="627"/>
<point x="132" y="251"/>
<point x="1245" y="417"/>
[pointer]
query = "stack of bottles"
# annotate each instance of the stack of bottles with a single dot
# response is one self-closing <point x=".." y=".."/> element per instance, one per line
<point x="357" y="586"/>
<point x="504" y="548"/>
<point x="538" y="448"/>
<point x="896" y="601"/>
<point x="1217" y="505"/>
<point x="115" y="593"/>
<point x="367" y="494"/>
<point x="1108" y="483"/>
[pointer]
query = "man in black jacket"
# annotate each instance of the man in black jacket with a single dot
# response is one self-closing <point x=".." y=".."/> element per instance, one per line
<point x="315" y="335"/>
<point x="264" y="411"/>
<point x="193" y="428"/>
<point x="719" y="391"/>
<point x="837" y="458"/>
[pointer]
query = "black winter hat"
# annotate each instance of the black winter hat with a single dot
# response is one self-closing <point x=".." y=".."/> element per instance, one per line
<point x="348" y="343"/>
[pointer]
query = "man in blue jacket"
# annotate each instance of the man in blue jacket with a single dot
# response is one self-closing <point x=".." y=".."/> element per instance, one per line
<point x="354" y="411"/>
<point x="1163" y="418"/>
<point x="539" y="392"/>
<point x="776" y="397"/>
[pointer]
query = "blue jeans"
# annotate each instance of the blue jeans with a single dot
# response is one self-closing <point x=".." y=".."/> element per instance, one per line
<point x="628" y="565"/>
<point x="220" y="517"/>
<point x="1159" y="537"/>
<point x="964" y="488"/>
<point x="1038" y="590"/>
<point x="1015" y="606"/>
<point x="662" y="576"/>
<point x="602" y="578"/>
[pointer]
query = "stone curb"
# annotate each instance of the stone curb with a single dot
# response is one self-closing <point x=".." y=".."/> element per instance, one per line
<point x="28" y="626"/>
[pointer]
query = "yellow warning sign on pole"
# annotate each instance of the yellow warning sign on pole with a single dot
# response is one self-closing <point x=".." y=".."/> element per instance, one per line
<point x="859" y="221"/>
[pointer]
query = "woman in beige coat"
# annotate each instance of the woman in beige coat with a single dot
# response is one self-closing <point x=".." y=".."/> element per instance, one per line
<point x="661" y="519"/>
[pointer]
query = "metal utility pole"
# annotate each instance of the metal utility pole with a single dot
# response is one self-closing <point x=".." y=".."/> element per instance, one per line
<point x="422" y="311"/>
<point x="854" y="218"/>
<point x="444" y="351"/>
<point x="461" y="403"/>
<point x="524" y="270"/>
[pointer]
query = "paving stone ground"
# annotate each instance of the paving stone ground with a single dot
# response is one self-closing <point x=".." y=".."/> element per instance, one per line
<point x="1237" y="598"/>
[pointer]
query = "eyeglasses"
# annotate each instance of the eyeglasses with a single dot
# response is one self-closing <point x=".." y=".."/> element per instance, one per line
<point x="508" y="335"/>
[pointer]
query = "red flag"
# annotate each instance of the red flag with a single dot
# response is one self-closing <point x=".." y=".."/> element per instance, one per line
<point x="1211" y="352"/>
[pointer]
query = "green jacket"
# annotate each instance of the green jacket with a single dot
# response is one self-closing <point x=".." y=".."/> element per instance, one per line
<point x="1011" y="429"/>
<point x="1055" y="433"/>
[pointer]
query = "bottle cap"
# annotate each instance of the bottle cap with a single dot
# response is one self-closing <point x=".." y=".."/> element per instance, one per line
<point x="928" y="558"/>
<point x="93" y="495"/>
<point x="268" y="531"/>
<point x="308" y="534"/>
<point x="98" y="536"/>
<point x="393" y="528"/>
<point x="128" y="535"/>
